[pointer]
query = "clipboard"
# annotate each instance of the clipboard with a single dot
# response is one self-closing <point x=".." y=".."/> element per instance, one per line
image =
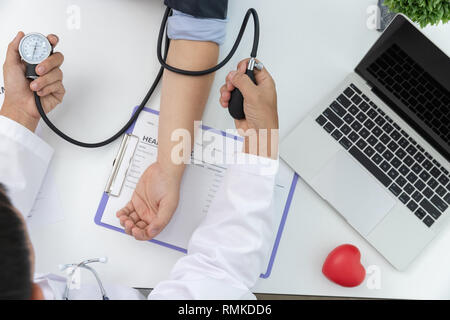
<point x="123" y="163"/>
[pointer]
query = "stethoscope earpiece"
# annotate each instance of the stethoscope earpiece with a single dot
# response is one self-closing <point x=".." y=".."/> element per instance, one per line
<point x="84" y="265"/>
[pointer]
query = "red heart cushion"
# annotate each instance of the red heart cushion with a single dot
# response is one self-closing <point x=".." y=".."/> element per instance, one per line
<point x="343" y="266"/>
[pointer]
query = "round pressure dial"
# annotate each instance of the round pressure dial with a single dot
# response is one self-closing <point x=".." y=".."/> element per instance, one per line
<point x="34" y="48"/>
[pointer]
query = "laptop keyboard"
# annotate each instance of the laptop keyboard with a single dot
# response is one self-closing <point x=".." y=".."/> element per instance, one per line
<point x="410" y="83"/>
<point x="389" y="153"/>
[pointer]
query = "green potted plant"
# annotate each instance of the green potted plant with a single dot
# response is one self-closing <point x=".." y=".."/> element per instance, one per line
<point x="424" y="12"/>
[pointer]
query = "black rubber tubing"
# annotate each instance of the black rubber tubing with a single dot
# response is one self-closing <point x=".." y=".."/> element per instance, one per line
<point x="162" y="59"/>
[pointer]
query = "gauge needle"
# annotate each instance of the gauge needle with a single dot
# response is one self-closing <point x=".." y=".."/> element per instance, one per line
<point x="35" y="46"/>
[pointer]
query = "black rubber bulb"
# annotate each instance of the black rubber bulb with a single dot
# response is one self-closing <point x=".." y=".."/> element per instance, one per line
<point x="236" y="104"/>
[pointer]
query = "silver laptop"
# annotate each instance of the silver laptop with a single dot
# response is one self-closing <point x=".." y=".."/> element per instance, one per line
<point x="377" y="149"/>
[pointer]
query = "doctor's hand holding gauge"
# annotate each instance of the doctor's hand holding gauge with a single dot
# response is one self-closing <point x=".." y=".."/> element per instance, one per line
<point x="35" y="50"/>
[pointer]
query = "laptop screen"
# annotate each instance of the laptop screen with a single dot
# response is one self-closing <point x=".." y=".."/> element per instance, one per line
<point x="412" y="75"/>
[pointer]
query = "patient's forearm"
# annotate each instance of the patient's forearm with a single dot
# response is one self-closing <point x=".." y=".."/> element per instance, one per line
<point x="183" y="97"/>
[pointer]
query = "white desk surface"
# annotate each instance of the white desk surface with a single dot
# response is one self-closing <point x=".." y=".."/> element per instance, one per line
<point x="309" y="46"/>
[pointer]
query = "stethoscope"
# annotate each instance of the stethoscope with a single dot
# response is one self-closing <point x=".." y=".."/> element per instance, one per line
<point x="83" y="265"/>
<point x="31" y="47"/>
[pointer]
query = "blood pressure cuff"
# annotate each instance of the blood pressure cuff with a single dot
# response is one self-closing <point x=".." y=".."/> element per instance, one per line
<point x="198" y="20"/>
<point x="212" y="9"/>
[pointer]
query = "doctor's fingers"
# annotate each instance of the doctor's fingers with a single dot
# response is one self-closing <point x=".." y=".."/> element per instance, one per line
<point x="56" y="89"/>
<point x="52" y="62"/>
<point x="260" y="75"/>
<point x="225" y="96"/>
<point x="229" y="85"/>
<point x="53" y="76"/>
<point x="53" y="39"/>
<point x="12" y="55"/>
<point x="242" y="66"/>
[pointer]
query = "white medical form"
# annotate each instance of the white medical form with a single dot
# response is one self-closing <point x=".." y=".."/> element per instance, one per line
<point x="201" y="181"/>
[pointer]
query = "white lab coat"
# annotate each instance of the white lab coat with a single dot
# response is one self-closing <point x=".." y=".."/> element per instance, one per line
<point x="226" y="253"/>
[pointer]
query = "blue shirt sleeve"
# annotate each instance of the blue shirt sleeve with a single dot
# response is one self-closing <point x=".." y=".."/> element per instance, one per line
<point x="183" y="26"/>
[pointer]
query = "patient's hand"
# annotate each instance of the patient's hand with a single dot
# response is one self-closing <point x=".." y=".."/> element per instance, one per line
<point x="152" y="205"/>
<point x="19" y="104"/>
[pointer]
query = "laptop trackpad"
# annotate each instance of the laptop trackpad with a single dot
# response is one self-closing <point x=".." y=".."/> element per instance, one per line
<point x="354" y="192"/>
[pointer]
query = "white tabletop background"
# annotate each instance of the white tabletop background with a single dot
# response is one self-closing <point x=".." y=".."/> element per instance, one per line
<point x="309" y="46"/>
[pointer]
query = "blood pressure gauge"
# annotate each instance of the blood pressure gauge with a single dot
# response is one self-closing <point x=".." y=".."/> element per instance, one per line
<point x="34" y="48"/>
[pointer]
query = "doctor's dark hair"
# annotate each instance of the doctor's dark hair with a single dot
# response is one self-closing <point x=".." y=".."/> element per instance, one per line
<point x="15" y="264"/>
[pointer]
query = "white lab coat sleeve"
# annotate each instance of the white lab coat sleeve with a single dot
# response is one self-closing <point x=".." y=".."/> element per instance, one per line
<point x="24" y="160"/>
<point x="230" y="249"/>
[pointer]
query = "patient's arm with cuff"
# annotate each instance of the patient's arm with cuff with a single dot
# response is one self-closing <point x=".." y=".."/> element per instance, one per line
<point x="182" y="103"/>
<point x="184" y="97"/>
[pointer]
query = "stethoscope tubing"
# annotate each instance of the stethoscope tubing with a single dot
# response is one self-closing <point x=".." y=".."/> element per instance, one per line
<point x="84" y="265"/>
